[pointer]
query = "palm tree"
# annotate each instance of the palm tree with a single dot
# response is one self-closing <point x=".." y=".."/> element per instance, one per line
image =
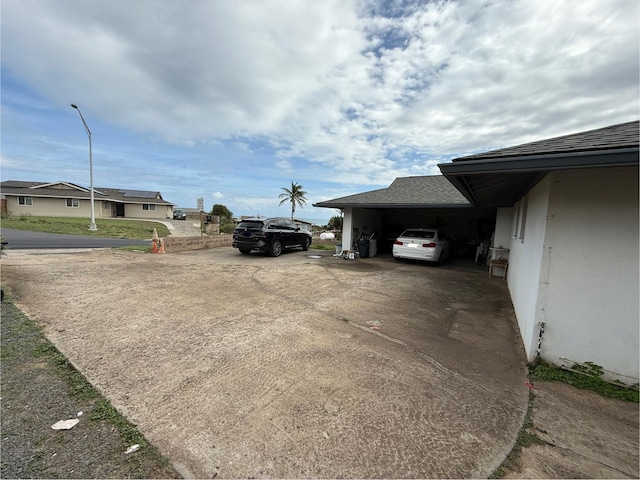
<point x="295" y="195"/>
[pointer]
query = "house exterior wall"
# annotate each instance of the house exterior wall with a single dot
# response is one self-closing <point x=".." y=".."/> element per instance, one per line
<point x="54" y="207"/>
<point x="57" y="207"/>
<point x="589" y="286"/>
<point x="504" y="226"/>
<point x="575" y="272"/>
<point x="135" y="210"/>
<point x="525" y="261"/>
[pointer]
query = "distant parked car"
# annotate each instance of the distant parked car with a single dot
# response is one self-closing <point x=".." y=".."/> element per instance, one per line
<point x="179" y="214"/>
<point x="429" y="244"/>
<point x="271" y="235"/>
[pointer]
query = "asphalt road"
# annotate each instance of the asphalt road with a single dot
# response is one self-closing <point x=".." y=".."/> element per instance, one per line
<point x="24" y="239"/>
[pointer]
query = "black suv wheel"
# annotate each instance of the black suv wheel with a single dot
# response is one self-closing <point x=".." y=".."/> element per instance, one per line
<point x="276" y="248"/>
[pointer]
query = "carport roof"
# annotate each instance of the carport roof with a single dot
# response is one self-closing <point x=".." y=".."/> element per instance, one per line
<point x="499" y="178"/>
<point x="405" y="192"/>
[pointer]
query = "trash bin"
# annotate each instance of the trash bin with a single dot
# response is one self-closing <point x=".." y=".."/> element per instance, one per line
<point x="363" y="246"/>
<point x="338" y="249"/>
<point x="373" y="247"/>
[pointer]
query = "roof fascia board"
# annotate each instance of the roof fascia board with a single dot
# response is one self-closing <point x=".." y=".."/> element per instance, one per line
<point x="534" y="163"/>
<point x="70" y="185"/>
<point x="392" y="206"/>
<point x="38" y="195"/>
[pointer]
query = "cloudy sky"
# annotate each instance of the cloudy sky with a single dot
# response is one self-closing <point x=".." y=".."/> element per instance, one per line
<point x="232" y="100"/>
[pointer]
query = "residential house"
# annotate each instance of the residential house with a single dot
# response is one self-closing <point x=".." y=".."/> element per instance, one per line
<point x="65" y="199"/>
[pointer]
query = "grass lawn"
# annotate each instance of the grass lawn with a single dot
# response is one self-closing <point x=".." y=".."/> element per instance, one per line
<point x="107" y="227"/>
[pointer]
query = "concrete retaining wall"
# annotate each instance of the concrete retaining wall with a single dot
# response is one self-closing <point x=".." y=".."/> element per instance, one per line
<point x="177" y="244"/>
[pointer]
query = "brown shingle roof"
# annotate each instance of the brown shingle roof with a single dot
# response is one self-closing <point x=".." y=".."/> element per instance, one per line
<point x="434" y="190"/>
<point x="622" y="135"/>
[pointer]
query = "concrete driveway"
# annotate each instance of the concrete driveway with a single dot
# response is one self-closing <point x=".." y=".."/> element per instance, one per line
<point x="241" y="366"/>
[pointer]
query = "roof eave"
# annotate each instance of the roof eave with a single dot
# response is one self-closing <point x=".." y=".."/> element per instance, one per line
<point x="394" y="205"/>
<point x="554" y="161"/>
<point x="527" y="171"/>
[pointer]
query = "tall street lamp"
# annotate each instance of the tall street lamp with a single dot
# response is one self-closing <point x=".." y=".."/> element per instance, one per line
<point x="92" y="225"/>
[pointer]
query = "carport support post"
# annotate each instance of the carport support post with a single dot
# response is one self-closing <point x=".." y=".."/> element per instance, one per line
<point x="347" y="229"/>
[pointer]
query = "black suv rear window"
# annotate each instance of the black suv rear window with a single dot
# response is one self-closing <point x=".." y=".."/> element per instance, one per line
<point x="249" y="224"/>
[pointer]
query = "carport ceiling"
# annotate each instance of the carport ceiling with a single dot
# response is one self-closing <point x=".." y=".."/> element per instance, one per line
<point x="497" y="190"/>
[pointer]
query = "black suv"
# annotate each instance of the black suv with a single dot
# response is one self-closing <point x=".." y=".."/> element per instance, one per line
<point x="271" y="235"/>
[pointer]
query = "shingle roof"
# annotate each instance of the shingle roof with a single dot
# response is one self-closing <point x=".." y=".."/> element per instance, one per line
<point x="48" y="189"/>
<point x="427" y="191"/>
<point x="622" y="135"/>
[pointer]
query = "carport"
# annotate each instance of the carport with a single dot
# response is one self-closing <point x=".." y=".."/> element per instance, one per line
<point x="409" y="202"/>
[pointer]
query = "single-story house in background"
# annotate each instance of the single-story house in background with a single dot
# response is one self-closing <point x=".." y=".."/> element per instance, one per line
<point x="65" y="199"/>
<point x="567" y="209"/>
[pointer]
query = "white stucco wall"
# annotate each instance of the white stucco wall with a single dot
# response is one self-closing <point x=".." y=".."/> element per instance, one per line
<point x="502" y="236"/>
<point x="526" y="262"/>
<point x="589" y="284"/>
<point x="347" y="228"/>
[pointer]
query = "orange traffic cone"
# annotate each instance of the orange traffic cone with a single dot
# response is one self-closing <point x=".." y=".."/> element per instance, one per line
<point x="161" y="246"/>
<point x="154" y="240"/>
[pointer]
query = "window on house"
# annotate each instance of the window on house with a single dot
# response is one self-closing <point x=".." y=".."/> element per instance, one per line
<point x="25" y="201"/>
<point x="73" y="202"/>
<point x="148" y="206"/>
<point x="520" y="218"/>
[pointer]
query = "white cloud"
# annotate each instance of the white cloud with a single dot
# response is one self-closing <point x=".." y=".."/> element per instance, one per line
<point x="348" y="91"/>
<point x="284" y="165"/>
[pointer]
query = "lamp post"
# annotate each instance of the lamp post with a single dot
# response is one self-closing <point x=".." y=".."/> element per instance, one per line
<point x="92" y="225"/>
